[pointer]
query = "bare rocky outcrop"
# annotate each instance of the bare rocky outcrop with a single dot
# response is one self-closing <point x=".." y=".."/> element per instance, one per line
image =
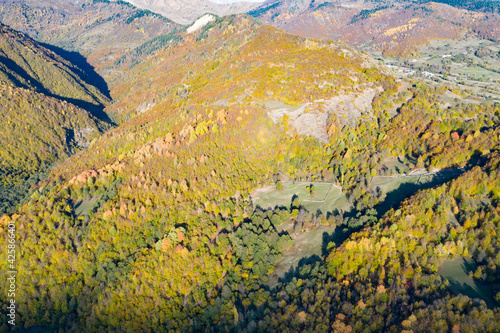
<point x="200" y="23"/>
<point x="317" y="118"/>
<point x="83" y="136"/>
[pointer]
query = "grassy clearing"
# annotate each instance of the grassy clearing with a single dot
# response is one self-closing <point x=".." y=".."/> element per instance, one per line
<point x="272" y="197"/>
<point x="335" y="200"/>
<point x="327" y="197"/>
<point x="311" y="246"/>
<point x="395" y="166"/>
<point x="84" y="206"/>
<point x="391" y="184"/>
<point x="308" y="246"/>
<point x="457" y="272"/>
<point x="399" y="188"/>
<point x="469" y="63"/>
<point x="452" y="218"/>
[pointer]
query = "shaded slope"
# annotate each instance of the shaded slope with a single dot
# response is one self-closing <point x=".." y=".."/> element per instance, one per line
<point x="37" y="131"/>
<point x="25" y="63"/>
<point x="50" y="111"/>
<point x="101" y="31"/>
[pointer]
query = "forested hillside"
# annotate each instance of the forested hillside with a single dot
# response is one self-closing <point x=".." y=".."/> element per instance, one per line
<point x="50" y="109"/>
<point x="485" y="6"/>
<point x="394" y="28"/>
<point x="27" y="64"/>
<point x="234" y="61"/>
<point x="94" y="33"/>
<point x="157" y="216"/>
<point x="37" y="131"/>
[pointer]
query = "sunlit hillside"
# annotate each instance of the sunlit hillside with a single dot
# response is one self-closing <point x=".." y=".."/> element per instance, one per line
<point x="394" y="28"/>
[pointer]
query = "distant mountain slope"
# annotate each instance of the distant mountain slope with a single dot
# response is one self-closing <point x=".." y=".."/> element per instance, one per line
<point x="187" y="11"/>
<point x="477" y="5"/>
<point x="25" y="63"/>
<point x="225" y="61"/>
<point x="101" y="31"/>
<point x="49" y="108"/>
<point x="394" y="28"/>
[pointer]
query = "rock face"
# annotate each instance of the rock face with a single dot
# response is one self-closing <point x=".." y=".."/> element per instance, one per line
<point x="83" y="136"/>
<point x="200" y="23"/>
<point x="187" y="11"/>
<point x="305" y="122"/>
<point x="311" y="119"/>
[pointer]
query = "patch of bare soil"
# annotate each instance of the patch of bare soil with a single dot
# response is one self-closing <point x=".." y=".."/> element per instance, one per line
<point x="310" y="119"/>
<point x="261" y="190"/>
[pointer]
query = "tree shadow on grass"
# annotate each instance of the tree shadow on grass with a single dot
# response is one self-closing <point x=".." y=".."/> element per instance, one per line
<point x="461" y="283"/>
<point x="338" y="237"/>
<point x="308" y="264"/>
<point x="303" y="268"/>
<point x="406" y="190"/>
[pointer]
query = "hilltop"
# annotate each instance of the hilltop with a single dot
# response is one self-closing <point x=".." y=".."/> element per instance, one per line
<point x="223" y="64"/>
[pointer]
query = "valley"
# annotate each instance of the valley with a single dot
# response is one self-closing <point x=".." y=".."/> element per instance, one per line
<point x="308" y="166"/>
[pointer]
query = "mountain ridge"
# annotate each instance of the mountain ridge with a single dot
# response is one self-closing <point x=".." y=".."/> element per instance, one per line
<point x="186" y="12"/>
<point x="20" y="67"/>
<point x="101" y="31"/>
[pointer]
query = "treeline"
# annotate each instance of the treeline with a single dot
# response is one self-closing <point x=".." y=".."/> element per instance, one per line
<point x="262" y="10"/>
<point x="141" y="13"/>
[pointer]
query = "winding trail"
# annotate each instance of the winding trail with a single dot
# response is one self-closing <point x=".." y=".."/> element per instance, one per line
<point x="404" y="175"/>
<point x="421" y="174"/>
